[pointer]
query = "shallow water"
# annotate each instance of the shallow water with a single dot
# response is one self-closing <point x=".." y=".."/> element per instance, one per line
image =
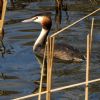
<point x="19" y="67"/>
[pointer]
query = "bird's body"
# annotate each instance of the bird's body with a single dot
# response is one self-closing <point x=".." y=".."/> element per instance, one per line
<point x="62" y="51"/>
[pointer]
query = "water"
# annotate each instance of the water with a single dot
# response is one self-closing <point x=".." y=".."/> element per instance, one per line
<point x="19" y="67"/>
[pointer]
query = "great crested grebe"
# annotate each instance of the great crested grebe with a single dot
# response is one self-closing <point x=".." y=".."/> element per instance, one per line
<point x="62" y="52"/>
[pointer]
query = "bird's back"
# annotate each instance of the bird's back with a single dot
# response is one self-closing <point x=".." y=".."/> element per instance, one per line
<point x="64" y="52"/>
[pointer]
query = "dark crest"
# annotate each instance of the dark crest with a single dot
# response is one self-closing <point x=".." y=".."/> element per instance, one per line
<point x="43" y="14"/>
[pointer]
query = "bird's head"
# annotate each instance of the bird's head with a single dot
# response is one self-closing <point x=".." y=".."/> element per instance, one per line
<point x="44" y="20"/>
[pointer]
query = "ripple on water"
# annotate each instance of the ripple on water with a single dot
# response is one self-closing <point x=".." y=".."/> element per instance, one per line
<point x="19" y="69"/>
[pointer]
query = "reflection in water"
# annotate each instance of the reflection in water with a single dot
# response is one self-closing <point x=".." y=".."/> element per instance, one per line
<point x="44" y="78"/>
<point x="65" y="8"/>
<point x="94" y="88"/>
<point x="3" y="49"/>
<point x="12" y="3"/>
<point x="5" y="92"/>
<point x="36" y="90"/>
<point x="67" y="72"/>
<point x="3" y="76"/>
<point x="59" y="6"/>
<point x="16" y="4"/>
<point x="40" y="60"/>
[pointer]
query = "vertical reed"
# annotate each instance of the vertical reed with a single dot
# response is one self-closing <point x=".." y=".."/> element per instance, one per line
<point x="4" y="9"/>
<point x="42" y="72"/>
<point x="50" y="50"/>
<point x="3" y="15"/>
<point x="48" y="69"/>
<point x="89" y="46"/>
<point x="87" y="67"/>
<point x="91" y="34"/>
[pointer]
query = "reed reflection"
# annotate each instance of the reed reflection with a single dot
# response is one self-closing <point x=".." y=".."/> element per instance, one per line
<point x="12" y="3"/>
<point x="2" y="48"/>
<point x="6" y="92"/>
<point x="6" y="77"/>
<point x="44" y="79"/>
<point x="59" y="7"/>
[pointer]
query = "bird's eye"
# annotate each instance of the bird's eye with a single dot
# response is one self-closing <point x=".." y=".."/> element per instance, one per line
<point x="35" y="18"/>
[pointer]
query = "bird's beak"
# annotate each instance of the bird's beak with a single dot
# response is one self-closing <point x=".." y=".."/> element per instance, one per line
<point x="29" y="20"/>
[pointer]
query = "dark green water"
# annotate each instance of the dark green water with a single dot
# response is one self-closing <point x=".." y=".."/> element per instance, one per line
<point x="19" y="68"/>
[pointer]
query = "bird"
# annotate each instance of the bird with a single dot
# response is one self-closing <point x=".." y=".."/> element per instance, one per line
<point x="63" y="52"/>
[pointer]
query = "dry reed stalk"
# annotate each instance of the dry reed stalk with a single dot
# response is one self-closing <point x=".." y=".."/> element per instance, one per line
<point x="89" y="47"/>
<point x="87" y="66"/>
<point x="48" y="66"/>
<point x="4" y="9"/>
<point x="74" y="23"/>
<point x="48" y="69"/>
<point x="50" y="53"/>
<point x="3" y="15"/>
<point x="91" y="35"/>
<point x="58" y="89"/>
<point x="42" y="72"/>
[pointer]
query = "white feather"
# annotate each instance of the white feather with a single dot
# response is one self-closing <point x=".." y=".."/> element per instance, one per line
<point x="40" y="39"/>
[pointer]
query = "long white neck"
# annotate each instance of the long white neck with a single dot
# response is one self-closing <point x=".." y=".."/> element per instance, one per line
<point x="42" y="37"/>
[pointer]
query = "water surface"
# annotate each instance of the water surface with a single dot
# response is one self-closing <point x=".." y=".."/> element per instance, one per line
<point x="19" y="67"/>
